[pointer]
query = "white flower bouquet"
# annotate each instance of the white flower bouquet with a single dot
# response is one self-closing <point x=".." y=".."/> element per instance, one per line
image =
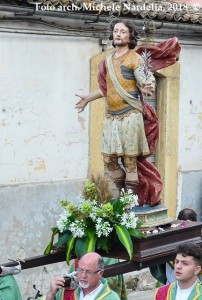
<point x="94" y="225"/>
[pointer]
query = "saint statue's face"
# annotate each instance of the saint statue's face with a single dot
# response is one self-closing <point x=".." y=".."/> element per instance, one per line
<point x="121" y="35"/>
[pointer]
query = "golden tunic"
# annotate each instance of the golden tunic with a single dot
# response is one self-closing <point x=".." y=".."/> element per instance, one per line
<point x="124" y="68"/>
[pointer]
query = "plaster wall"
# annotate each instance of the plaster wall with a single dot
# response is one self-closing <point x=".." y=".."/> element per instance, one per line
<point x="44" y="143"/>
<point x="42" y="136"/>
<point x="190" y="130"/>
<point x="190" y="113"/>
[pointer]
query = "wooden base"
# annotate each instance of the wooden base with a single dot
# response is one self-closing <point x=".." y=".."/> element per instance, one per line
<point x="155" y="249"/>
<point x="161" y="246"/>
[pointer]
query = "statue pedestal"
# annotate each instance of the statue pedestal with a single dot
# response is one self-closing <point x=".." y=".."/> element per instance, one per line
<point x="152" y="216"/>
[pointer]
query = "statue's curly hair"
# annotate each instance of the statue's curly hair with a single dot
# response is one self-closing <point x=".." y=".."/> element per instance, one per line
<point x="130" y="25"/>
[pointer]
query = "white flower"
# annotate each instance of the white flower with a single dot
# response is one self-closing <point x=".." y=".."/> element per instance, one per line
<point x="77" y="228"/>
<point x="93" y="216"/>
<point x="99" y="220"/>
<point x="174" y="225"/>
<point x="62" y="222"/>
<point x="61" y="226"/>
<point x="103" y="228"/>
<point x="129" y="199"/>
<point x="129" y="220"/>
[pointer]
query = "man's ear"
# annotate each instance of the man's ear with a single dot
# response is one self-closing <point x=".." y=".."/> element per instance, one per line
<point x="102" y="272"/>
<point x="198" y="269"/>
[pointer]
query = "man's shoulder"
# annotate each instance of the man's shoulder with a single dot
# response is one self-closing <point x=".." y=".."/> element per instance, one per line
<point x="114" y="295"/>
<point x="8" y="279"/>
<point x="133" y="55"/>
<point x="110" y="295"/>
<point x="161" y="293"/>
<point x="199" y="286"/>
<point x="107" y="293"/>
<point x="133" y="59"/>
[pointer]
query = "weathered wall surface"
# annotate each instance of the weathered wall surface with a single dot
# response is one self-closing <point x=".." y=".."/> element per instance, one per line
<point x="42" y="136"/>
<point x="44" y="143"/>
<point x="190" y="130"/>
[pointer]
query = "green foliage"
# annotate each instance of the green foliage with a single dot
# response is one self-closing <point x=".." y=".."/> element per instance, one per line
<point x="55" y="230"/>
<point x="96" y="226"/>
<point x="89" y="191"/>
<point x="158" y="284"/>
<point x="125" y="239"/>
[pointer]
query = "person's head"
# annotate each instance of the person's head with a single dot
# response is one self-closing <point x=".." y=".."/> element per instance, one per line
<point x="90" y="270"/>
<point x="187" y="214"/>
<point x="123" y="33"/>
<point x="187" y="263"/>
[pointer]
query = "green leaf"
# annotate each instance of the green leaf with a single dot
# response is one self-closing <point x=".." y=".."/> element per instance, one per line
<point x="117" y="206"/>
<point x="124" y="238"/>
<point x="104" y="244"/>
<point x="63" y="239"/>
<point x="91" y="241"/>
<point x="80" y="247"/>
<point x="70" y="246"/>
<point x="139" y="224"/>
<point x="135" y="233"/>
<point x="48" y="249"/>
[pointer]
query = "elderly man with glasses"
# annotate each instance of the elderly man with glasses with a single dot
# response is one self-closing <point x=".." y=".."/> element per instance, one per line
<point x="91" y="285"/>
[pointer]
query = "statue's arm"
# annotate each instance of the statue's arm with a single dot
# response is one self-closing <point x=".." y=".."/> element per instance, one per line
<point x="84" y="100"/>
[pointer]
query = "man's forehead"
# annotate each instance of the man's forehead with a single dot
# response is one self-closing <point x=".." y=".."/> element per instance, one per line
<point x="182" y="257"/>
<point x="88" y="261"/>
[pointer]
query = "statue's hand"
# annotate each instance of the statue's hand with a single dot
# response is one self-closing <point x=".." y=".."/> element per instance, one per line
<point x="82" y="103"/>
<point x="147" y="89"/>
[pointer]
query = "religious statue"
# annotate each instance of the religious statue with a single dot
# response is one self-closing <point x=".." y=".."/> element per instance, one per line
<point x="131" y="129"/>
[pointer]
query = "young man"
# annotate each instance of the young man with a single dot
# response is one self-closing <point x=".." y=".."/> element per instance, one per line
<point x="164" y="273"/>
<point x="125" y="82"/>
<point x="91" y="284"/>
<point x="187" y="267"/>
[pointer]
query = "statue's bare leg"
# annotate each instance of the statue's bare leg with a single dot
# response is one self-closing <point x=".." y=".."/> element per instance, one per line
<point x="117" y="173"/>
<point x="131" y="180"/>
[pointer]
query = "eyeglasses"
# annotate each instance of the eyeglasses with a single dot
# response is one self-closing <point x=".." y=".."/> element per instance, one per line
<point x="87" y="272"/>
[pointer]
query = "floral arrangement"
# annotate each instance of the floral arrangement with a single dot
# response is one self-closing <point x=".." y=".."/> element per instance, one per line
<point x="96" y="224"/>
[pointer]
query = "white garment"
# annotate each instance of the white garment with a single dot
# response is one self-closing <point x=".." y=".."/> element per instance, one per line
<point x="92" y="295"/>
<point x="183" y="294"/>
<point x="170" y="274"/>
<point x="124" y="136"/>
